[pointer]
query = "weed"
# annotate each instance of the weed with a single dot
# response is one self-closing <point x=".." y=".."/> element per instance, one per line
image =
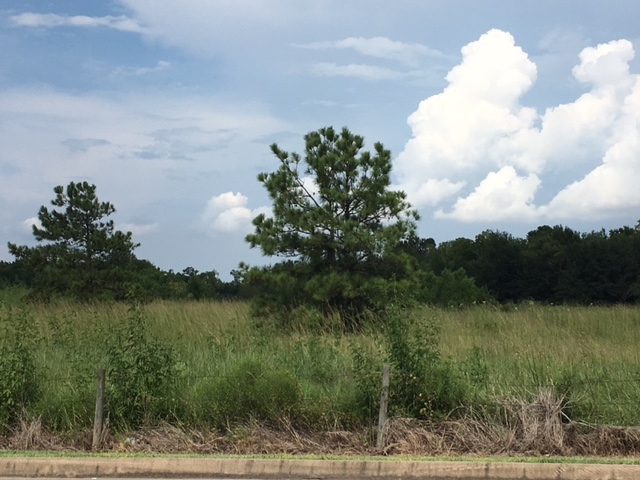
<point x="18" y="377"/>
<point x="140" y="371"/>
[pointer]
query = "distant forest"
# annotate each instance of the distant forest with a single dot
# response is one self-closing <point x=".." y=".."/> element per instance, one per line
<point x="551" y="264"/>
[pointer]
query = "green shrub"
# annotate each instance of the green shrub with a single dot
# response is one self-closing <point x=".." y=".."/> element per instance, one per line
<point x="422" y="383"/>
<point x="18" y="377"/>
<point x="140" y="375"/>
<point x="367" y="369"/>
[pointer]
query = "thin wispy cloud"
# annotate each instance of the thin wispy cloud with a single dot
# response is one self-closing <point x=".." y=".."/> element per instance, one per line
<point x="121" y="71"/>
<point x="364" y="72"/>
<point x="379" y="47"/>
<point x="52" y="20"/>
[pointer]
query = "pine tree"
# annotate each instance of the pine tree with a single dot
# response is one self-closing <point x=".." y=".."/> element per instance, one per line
<point x="337" y="221"/>
<point x="81" y="254"/>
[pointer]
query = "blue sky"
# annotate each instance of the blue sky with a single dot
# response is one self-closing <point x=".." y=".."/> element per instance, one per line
<point x="500" y="114"/>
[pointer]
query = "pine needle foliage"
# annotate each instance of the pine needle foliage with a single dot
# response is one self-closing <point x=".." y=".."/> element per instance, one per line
<point x="335" y="220"/>
<point x="80" y="253"/>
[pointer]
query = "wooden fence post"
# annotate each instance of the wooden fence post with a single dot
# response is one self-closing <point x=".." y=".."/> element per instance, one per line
<point x="98" y="421"/>
<point x="384" y="406"/>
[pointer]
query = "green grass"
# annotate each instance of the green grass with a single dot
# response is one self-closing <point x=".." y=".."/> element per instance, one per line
<point x="589" y="353"/>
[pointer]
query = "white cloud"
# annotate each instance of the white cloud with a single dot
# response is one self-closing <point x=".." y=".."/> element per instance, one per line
<point x="365" y="72"/>
<point x="29" y="223"/>
<point x="379" y="47"/>
<point x="51" y="20"/>
<point x="502" y="195"/>
<point x="473" y="137"/>
<point x="612" y="186"/>
<point x="228" y="213"/>
<point x="433" y="191"/>
<point x="606" y="64"/>
<point x="143" y="154"/>
<point x="204" y="27"/>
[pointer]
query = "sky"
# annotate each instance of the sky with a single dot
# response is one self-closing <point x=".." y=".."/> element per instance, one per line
<point x="500" y="115"/>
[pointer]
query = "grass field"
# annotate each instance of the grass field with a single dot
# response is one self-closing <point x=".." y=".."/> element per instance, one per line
<point x="226" y="364"/>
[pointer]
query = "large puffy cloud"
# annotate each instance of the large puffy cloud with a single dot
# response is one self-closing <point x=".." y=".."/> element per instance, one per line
<point x="502" y="195"/>
<point x="454" y="130"/>
<point x="228" y="213"/>
<point x="479" y="154"/>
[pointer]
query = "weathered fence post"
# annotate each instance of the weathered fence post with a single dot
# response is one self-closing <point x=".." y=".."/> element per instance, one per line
<point x="384" y="406"/>
<point x="98" y="421"/>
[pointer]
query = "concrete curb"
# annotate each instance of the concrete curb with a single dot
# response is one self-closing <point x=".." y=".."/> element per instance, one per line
<point x="316" y="469"/>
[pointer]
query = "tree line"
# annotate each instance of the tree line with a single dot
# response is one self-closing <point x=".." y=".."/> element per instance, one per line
<point x="552" y="264"/>
<point x="347" y="244"/>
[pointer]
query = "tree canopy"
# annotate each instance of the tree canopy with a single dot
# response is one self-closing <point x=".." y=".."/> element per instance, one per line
<point x="337" y="221"/>
<point x="80" y="252"/>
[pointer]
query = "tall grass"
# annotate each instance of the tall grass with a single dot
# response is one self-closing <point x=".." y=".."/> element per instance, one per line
<point x="222" y="356"/>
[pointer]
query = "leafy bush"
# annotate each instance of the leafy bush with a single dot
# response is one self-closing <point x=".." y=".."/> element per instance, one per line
<point x="140" y="373"/>
<point x="422" y="384"/>
<point x="367" y="368"/>
<point x="18" y="377"/>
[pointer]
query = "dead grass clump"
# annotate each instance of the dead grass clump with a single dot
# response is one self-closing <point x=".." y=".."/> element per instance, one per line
<point x="29" y="434"/>
<point x="513" y="427"/>
<point x="537" y="426"/>
<point x="251" y="438"/>
<point x="604" y="440"/>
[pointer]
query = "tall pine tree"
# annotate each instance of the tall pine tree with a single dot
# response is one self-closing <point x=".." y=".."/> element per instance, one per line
<point x="80" y="252"/>
<point x="337" y="222"/>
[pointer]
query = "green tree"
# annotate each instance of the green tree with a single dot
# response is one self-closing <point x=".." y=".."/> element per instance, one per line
<point x="337" y="222"/>
<point x="547" y="262"/>
<point x="499" y="264"/>
<point x="80" y="252"/>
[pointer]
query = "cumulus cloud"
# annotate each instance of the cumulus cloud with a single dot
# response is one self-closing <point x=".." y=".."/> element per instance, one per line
<point x="379" y="47"/>
<point x="50" y="20"/>
<point x="502" y="195"/>
<point x="228" y="213"/>
<point x="479" y="154"/>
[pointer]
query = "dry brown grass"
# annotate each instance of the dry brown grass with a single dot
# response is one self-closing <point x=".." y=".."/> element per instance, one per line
<point x="515" y="427"/>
